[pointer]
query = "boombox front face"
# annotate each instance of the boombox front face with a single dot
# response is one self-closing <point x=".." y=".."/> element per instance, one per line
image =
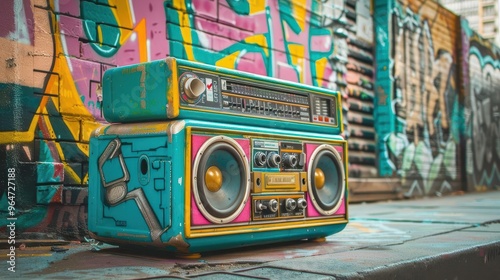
<point x="192" y="186"/>
<point x="252" y="182"/>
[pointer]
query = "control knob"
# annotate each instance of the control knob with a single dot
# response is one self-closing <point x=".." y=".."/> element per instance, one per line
<point x="301" y="203"/>
<point x="290" y="204"/>
<point x="272" y="205"/>
<point x="290" y="160"/>
<point x="193" y="88"/>
<point x="259" y="159"/>
<point x="259" y="206"/>
<point x="273" y="159"/>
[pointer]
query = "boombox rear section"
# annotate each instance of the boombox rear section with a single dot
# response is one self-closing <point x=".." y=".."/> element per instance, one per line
<point x="193" y="186"/>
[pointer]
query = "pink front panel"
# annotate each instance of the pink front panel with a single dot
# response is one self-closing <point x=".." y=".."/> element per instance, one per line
<point x="197" y="218"/>
<point x="311" y="147"/>
<point x="310" y="210"/>
<point x="198" y="140"/>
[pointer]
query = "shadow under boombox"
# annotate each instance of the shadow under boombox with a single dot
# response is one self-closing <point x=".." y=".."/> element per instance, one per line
<point x="184" y="184"/>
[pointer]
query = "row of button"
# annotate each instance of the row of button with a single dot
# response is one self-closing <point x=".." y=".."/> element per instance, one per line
<point x="265" y="108"/>
<point x="267" y="94"/>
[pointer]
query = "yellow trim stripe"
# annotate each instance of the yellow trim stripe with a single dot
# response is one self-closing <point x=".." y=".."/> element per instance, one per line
<point x="260" y="227"/>
<point x="187" y="186"/>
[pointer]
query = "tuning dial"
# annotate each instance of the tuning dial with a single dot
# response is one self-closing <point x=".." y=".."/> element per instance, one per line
<point x="290" y="204"/>
<point x="272" y="205"/>
<point x="301" y="203"/>
<point x="193" y="88"/>
<point x="273" y="159"/>
<point x="259" y="159"/>
<point x="290" y="160"/>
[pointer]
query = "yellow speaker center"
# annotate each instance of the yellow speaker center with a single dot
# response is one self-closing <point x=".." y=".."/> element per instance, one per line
<point x="213" y="178"/>
<point x="319" y="178"/>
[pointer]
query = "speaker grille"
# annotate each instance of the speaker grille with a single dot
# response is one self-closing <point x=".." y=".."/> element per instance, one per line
<point x="326" y="179"/>
<point x="221" y="179"/>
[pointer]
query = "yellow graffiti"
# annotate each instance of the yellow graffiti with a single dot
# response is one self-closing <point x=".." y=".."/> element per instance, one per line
<point x="257" y="6"/>
<point x="259" y="40"/>
<point x="185" y="31"/>
<point x="123" y="16"/>
<point x="228" y="61"/>
<point x="141" y="32"/>
<point x="68" y="171"/>
<point x="320" y="65"/>
<point x="297" y="54"/>
<point x="299" y="12"/>
<point x="69" y="103"/>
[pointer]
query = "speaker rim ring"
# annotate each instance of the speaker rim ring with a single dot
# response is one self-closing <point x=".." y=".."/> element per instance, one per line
<point x="313" y="163"/>
<point x="202" y="187"/>
<point x="246" y="177"/>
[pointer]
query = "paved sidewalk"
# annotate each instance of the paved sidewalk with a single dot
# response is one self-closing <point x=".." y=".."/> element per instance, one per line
<point x="453" y="237"/>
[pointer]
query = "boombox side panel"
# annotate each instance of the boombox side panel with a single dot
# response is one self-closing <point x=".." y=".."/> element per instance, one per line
<point x="136" y="184"/>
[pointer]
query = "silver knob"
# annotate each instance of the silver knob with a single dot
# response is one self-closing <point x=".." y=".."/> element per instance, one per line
<point x="290" y="204"/>
<point x="193" y="88"/>
<point x="273" y="159"/>
<point x="301" y="203"/>
<point x="260" y="158"/>
<point x="290" y="160"/>
<point x="272" y="205"/>
<point x="259" y="207"/>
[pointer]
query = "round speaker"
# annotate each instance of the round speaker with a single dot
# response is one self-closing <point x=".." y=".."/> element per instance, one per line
<point x="325" y="173"/>
<point x="221" y="179"/>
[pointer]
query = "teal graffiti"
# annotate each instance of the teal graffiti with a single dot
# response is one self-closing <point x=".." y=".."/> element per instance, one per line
<point x="315" y="56"/>
<point x="422" y="147"/>
<point x="211" y="57"/>
<point x="241" y="7"/>
<point x="182" y="48"/>
<point x="99" y="25"/>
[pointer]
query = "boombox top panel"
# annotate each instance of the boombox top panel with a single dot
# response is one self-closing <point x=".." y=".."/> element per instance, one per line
<point x="178" y="89"/>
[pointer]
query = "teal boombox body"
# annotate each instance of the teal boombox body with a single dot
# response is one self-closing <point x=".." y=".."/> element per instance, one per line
<point x="203" y="158"/>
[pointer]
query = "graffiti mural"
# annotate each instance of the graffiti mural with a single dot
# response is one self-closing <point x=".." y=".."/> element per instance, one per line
<point x="406" y="117"/>
<point x="271" y="38"/>
<point x="482" y="111"/>
<point x="68" y="45"/>
<point x="423" y="147"/>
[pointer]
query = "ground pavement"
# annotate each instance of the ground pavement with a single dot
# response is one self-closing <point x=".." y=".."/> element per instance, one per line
<point x="451" y="237"/>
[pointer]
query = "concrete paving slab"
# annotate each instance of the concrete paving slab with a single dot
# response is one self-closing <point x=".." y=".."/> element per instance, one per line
<point x="427" y="212"/>
<point x="440" y="238"/>
<point x="487" y="227"/>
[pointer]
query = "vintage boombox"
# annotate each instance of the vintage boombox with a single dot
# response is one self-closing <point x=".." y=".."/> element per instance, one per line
<point x="187" y="185"/>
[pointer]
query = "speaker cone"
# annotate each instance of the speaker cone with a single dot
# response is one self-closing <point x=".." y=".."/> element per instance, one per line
<point x="221" y="179"/>
<point x="326" y="179"/>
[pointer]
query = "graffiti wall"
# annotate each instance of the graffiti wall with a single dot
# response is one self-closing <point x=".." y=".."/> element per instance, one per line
<point x="481" y="76"/>
<point x="418" y="100"/>
<point x="57" y="51"/>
